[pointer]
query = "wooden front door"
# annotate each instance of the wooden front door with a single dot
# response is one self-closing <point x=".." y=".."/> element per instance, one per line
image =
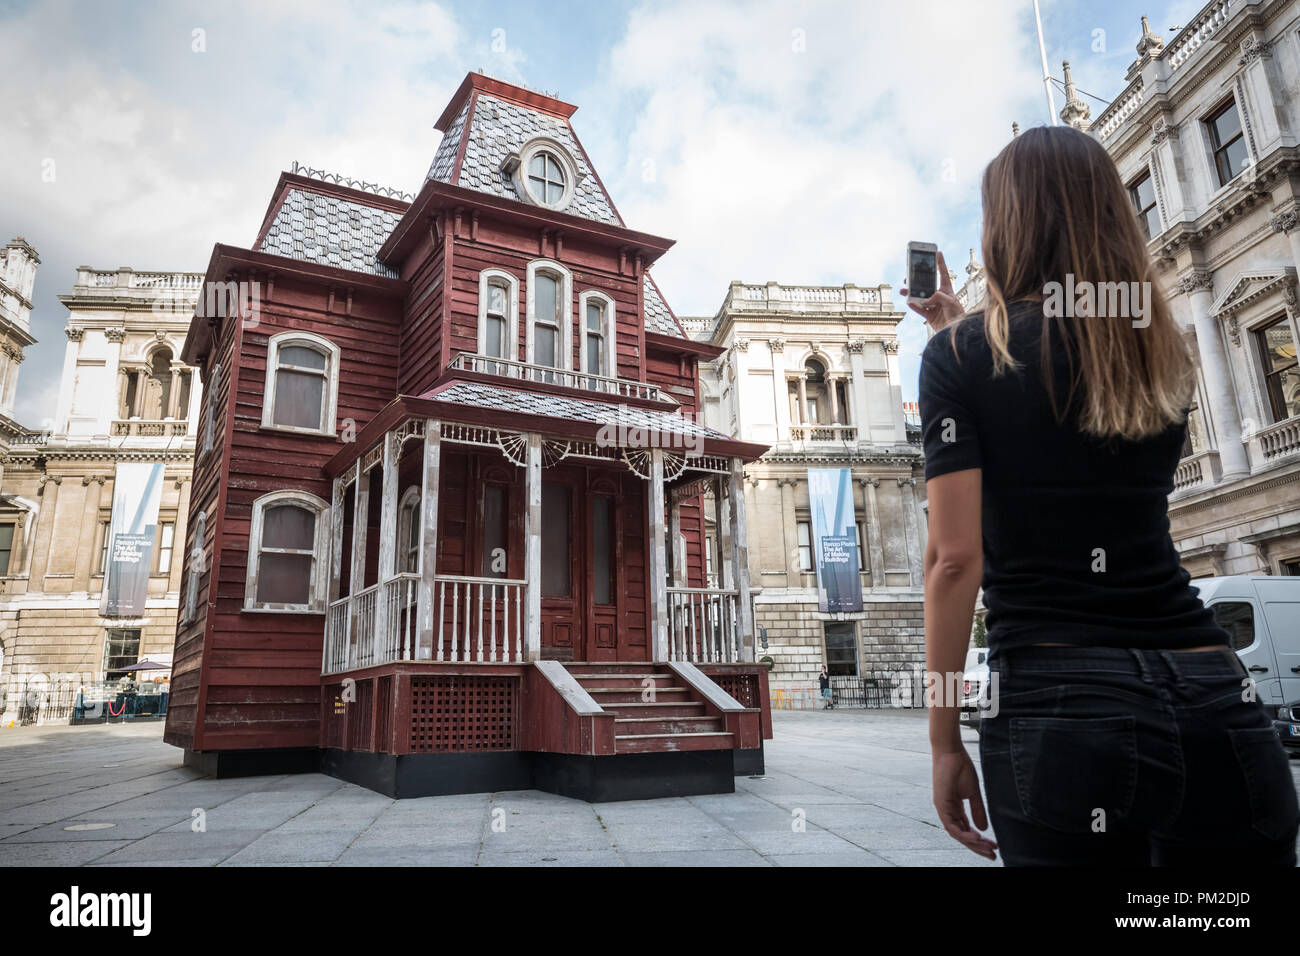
<point x="562" y="566"/>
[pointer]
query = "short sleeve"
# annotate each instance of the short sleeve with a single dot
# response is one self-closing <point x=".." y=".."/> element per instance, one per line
<point x="948" y="431"/>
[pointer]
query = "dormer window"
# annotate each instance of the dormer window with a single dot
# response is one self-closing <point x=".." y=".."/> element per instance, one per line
<point x="543" y="172"/>
<point x="546" y="178"/>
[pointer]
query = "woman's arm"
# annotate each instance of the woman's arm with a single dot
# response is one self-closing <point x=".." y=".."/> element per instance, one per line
<point x="953" y="568"/>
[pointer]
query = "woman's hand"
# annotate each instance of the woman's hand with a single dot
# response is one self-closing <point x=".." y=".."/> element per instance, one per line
<point x="941" y="309"/>
<point x="955" y="781"/>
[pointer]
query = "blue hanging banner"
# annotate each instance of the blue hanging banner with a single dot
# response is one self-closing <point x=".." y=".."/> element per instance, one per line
<point x="137" y="487"/>
<point x="835" y="539"/>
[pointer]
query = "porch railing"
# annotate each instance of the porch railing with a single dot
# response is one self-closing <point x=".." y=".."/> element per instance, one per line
<point x="474" y="620"/>
<point x="478" y="619"/>
<point x="703" y="625"/>
<point x="523" y="371"/>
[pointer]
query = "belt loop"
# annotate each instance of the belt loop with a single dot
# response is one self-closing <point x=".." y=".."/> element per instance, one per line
<point x="1179" y="680"/>
<point x="1143" y="671"/>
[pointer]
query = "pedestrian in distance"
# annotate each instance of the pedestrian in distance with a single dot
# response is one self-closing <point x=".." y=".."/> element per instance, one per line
<point x="1123" y="730"/>
<point x="827" y="694"/>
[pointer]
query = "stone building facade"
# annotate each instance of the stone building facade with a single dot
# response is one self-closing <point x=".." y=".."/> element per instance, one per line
<point x="124" y="396"/>
<point x="1207" y="137"/>
<point x="17" y="281"/>
<point x="813" y="372"/>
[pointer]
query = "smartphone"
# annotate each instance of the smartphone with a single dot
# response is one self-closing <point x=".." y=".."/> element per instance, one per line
<point x="922" y="270"/>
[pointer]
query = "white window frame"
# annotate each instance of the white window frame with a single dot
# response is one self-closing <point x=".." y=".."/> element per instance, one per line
<point x="167" y="547"/>
<point x="211" y="391"/>
<point x="330" y="398"/>
<point x="610" y="323"/>
<point x="408" y="509"/>
<point x="319" y="586"/>
<point x="485" y="278"/>
<point x="194" y="566"/>
<point x="566" y="312"/>
<point x="516" y="166"/>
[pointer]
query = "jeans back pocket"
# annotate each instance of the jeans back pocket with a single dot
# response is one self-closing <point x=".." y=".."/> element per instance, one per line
<point x="1075" y="774"/>
<point x="1265" y="766"/>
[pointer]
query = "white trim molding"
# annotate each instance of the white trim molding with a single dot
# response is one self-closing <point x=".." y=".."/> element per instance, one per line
<point x="318" y="586"/>
<point x="565" y="281"/>
<point x="329" y="398"/>
<point x="511" y="344"/>
<point x="610" y="324"/>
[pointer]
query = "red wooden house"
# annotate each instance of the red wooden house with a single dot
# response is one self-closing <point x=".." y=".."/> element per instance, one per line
<point x="447" y="522"/>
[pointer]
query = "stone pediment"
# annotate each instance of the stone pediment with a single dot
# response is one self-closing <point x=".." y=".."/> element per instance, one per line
<point x="1250" y="286"/>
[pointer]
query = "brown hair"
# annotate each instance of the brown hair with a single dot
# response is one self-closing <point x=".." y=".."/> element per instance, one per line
<point x="1054" y="206"/>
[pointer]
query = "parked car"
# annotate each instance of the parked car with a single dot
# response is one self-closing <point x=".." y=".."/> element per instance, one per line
<point x="974" y="676"/>
<point x="1262" y="617"/>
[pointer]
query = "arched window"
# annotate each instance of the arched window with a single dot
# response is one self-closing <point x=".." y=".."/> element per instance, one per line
<point x="301" y="383"/>
<point x="210" y="407"/>
<point x="195" y="563"/>
<point x="286" y="553"/>
<point x="498" y="314"/>
<point x="550" y="294"/>
<point x="408" y="531"/>
<point x="597" y="333"/>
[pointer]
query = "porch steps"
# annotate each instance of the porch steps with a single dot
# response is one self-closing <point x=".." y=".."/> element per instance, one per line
<point x="672" y="721"/>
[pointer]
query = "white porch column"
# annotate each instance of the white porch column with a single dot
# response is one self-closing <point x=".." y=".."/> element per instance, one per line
<point x="658" y="559"/>
<point x="677" y="545"/>
<point x="357" y="579"/>
<point x="740" y="558"/>
<point x="533" y="551"/>
<point x="387" y="543"/>
<point x="336" y="538"/>
<point x="721" y="533"/>
<point x="428" y="560"/>
<point x="1224" y="414"/>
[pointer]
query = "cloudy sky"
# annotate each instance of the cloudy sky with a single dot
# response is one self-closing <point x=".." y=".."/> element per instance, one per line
<point x="800" y="142"/>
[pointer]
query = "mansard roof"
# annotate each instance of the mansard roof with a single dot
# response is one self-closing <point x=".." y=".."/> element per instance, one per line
<point x="331" y="231"/>
<point x="491" y="121"/>
<point x="658" y="317"/>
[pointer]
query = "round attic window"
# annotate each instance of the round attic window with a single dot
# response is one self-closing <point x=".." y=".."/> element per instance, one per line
<point x="545" y="174"/>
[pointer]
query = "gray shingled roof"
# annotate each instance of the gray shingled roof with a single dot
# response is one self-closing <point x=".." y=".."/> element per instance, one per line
<point x="479" y="395"/>
<point x="657" y="317"/>
<point x="499" y="128"/>
<point x="323" y="229"/>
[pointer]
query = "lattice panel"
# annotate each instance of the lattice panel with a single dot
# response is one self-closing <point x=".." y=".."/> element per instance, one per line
<point x="359" y="713"/>
<point x="743" y="687"/>
<point x="463" y="714"/>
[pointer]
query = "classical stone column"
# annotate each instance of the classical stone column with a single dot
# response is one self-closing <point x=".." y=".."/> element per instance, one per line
<point x="857" y="395"/>
<point x="776" y="348"/>
<point x="790" y="532"/>
<point x="915" y="563"/>
<point x="108" y="410"/>
<point x="895" y="389"/>
<point x="1224" y="413"/>
<point x="803" y="401"/>
<point x="833" y="385"/>
<point x="875" y="540"/>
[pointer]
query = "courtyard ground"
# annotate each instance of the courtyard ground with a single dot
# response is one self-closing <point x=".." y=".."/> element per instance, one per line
<point x="845" y="788"/>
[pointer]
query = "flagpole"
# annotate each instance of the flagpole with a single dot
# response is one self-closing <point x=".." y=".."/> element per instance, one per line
<point x="1047" y="77"/>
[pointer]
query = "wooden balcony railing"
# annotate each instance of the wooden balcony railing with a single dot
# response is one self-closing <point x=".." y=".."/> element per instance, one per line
<point x="474" y="620"/>
<point x="542" y="374"/>
<point x="703" y="626"/>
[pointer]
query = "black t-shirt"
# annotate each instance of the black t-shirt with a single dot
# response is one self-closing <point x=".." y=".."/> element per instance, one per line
<point x="1076" y="529"/>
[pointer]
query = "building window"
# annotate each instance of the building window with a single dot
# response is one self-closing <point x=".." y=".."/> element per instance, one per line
<point x="408" y="532"/>
<point x="498" y="319"/>
<point x="286" y="560"/>
<point x="166" y="542"/>
<point x="213" y="387"/>
<point x="104" y="528"/>
<point x="496" y="529"/>
<point x="301" y="383"/>
<point x="1143" y="195"/>
<point x="194" y="567"/>
<point x="841" y="649"/>
<point x="1277" y="354"/>
<point x="6" y="546"/>
<point x="862" y="546"/>
<point x="546" y="179"/>
<point x="550" y="292"/>
<point x="1227" y="142"/>
<point x="602" y="549"/>
<point x="805" y="547"/>
<point x="121" y="647"/>
<point x="1291" y="567"/>
<point x="597" y="345"/>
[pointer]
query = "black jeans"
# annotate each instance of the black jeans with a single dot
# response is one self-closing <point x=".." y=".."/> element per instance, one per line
<point x="1117" y="757"/>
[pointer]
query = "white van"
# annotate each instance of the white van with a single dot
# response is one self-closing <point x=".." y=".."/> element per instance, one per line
<point x="1262" y="617"/>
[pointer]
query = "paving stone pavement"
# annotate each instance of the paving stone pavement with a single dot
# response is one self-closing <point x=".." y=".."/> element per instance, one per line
<point x="857" y="780"/>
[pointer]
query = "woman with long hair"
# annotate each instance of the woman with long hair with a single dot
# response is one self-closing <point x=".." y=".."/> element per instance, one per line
<point x="1121" y="728"/>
